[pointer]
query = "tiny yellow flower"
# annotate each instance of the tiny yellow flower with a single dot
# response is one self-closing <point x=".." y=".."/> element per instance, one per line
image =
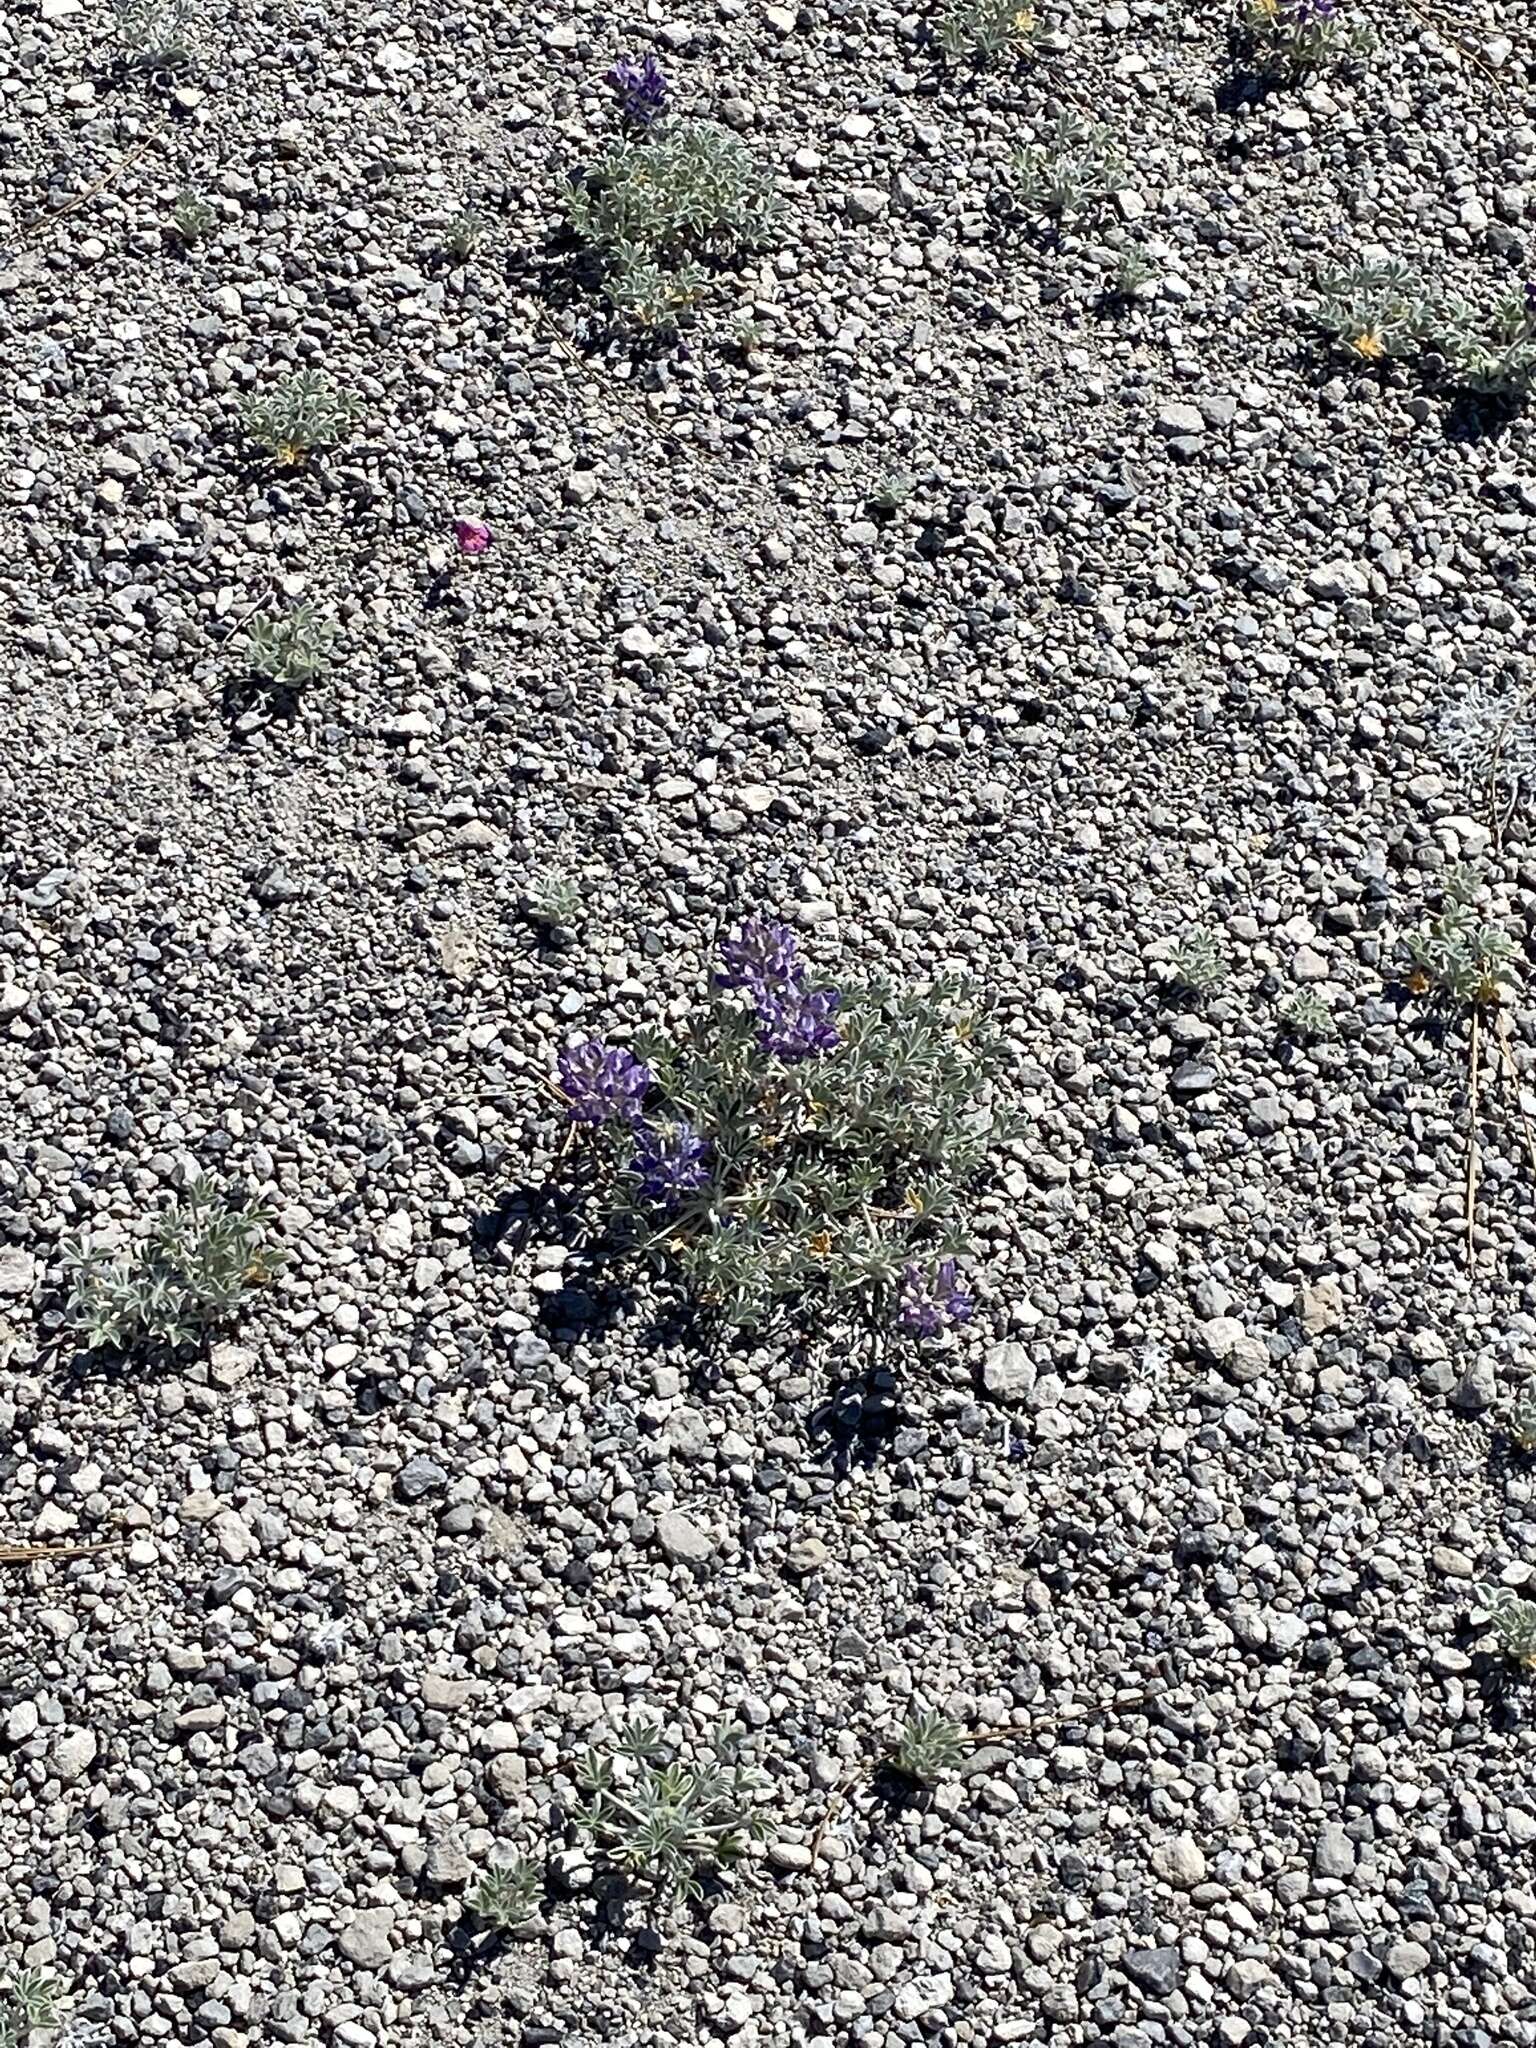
<point x="290" y="455"/>
<point x="1369" y="345"/>
<point x="1024" y="21"/>
<point x="819" y="1245"/>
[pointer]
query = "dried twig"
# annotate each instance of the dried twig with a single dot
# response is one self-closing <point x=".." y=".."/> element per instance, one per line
<point x="1130" y="1699"/>
<point x="132" y="156"/>
<point x="38" y="1553"/>
<point x="1472" y="1088"/>
<point x="1431" y="18"/>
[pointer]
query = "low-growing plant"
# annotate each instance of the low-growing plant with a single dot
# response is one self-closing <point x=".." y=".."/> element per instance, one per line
<point x="1459" y="956"/>
<point x="300" y="413"/>
<point x="506" y="1895"/>
<point x="292" y="647"/>
<point x="656" y="207"/>
<point x="1491" y="736"/>
<point x="794" y="1141"/>
<point x="1134" y="271"/>
<point x="1373" y="311"/>
<point x="154" y="33"/>
<point x="183" y="1278"/>
<point x="1074" y="167"/>
<point x="1288" y="39"/>
<point x="464" y="234"/>
<point x="929" y="1745"/>
<point x="191" y="216"/>
<point x="554" y="898"/>
<point x="1387" y="311"/>
<point x="1304" y="1014"/>
<point x="1522" y="1418"/>
<point x="1492" y="355"/>
<point x="32" y="2007"/>
<point x="890" y="492"/>
<point x="1197" y="963"/>
<point x="983" y="31"/>
<point x="1512" y="1622"/>
<point x="664" y="1823"/>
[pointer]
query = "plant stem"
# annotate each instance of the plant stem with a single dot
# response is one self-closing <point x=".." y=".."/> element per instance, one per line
<point x="1476" y="1047"/>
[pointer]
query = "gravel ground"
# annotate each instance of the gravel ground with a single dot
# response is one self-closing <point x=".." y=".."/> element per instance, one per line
<point x="1171" y="632"/>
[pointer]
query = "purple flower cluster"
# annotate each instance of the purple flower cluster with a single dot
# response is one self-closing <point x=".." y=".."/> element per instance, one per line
<point x="671" y="1160"/>
<point x="931" y="1299"/>
<point x="763" y="958"/>
<point x="601" y="1082"/>
<point x="641" y="85"/>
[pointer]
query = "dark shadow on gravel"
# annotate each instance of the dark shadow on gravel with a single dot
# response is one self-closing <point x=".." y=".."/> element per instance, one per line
<point x="860" y="1417"/>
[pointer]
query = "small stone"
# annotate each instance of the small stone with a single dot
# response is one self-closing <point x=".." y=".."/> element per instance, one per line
<point x="1174" y="420"/>
<point x="1477" y="1390"/>
<point x="447" y="1863"/>
<point x="1334" y="1853"/>
<point x="1008" y="1372"/>
<point x="1336" y="582"/>
<point x="18" y="1270"/>
<point x="1405" y="1959"/>
<point x="73" y="1754"/>
<point x="1180" y="1862"/>
<point x="683" y="1540"/>
<point x="419" y="1478"/>
<point x="366" y="1938"/>
<point x="1156" y="1970"/>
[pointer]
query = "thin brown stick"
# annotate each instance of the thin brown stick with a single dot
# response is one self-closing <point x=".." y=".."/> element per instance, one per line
<point x="37" y="1553"/>
<point x="1430" y="19"/>
<point x="1476" y="1037"/>
<point x="132" y="156"/>
<point x="1506" y="1046"/>
<point x="1130" y="1699"/>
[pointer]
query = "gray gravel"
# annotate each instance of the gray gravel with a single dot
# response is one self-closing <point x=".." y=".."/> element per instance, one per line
<point x="1186" y="1526"/>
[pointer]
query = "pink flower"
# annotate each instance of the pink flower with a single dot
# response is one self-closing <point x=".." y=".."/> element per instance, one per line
<point x="472" y="535"/>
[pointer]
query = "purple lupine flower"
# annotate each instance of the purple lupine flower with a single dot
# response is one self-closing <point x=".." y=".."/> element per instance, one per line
<point x="641" y="85"/>
<point x="797" y="1022"/>
<point x="762" y="957"/>
<point x="932" y="1298"/>
<point x="601" y="1082"/>
<point x="472" y="536"/>
<point x="670" y="1159"/>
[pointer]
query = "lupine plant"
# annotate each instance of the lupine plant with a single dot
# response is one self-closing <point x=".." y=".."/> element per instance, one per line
<point x="929" y="1745"/>
<point x="191" y="216"/>
<point x="641" y="85"/>
<point x="985" y="31"/>
<point x="1522" y="1418"/>
<point x="291" y="647"/>
<point x="464" y="234"/>
<point x="1512" y="1622"/>
<point x="794" y="1140"/>
<point x="1197" y="963"/>
<point x="506" y="1895"/>
<point x="1305" y="1015"/>
<point x="299" y="413"/>
<point x="658" y="205"/>
<point x="31" y="2007"/>
<point x="1074" y="167"/>
<point x="1385" y="311"/>
<point x="154" y="33"/>
<point x="184" y="1277"/>
<point x="664" y="1823"/>
<point x="1288" y="39"/>
<point x="1459" y="957"/>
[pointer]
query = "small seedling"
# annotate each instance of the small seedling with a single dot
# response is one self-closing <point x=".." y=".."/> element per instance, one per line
<point x="1491" y="355"/>
<point x="506" y="1895"/>
<point x="929" y="1746"/>
<point x="666" y="1824"/>
<point x="1074" y="168"/>
<point x="184" y="1277"/>
<point x="1197" y="963"/>
<point x="554" y="899"/>
<point x="1290" y="39"/>
<point x="1305" y="1015"/>
<point x="1458" y="957"/>
<point x="153" y="33"/>
<point x="985" y="31"/>
<point x="31" y="2007"/>
<point x="1522" y="1418"/>
<point x="464" y="234"/>
<point x="1491" y="736"/>
<point x="1134" y="272"/>
<point x="292" y="648"/>
<point x="890" y="492"/>
<point x="1512" y="1622"/>
<point x="657" y="207"/>
<point x="300" y="413"/>
<point x="192" y="217"/>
